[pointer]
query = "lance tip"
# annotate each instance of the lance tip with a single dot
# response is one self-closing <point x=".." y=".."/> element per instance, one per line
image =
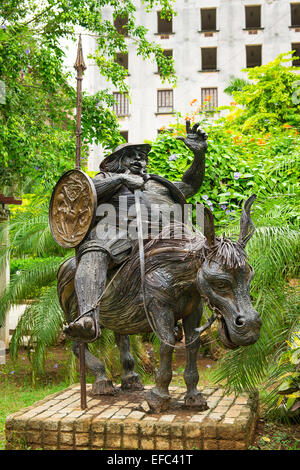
<point x="79" y="64"/>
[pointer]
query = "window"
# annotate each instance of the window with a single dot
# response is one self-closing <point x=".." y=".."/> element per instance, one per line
<point x="209" y="96"/>
<point x="164" y="26"/>
<point x="253" y="17"/>
<point x="296" y="48"/>
<point x="167" y="53"/>
<point x="253" y="56"/>
<point x="120" y="24"/>
<point x="295" y="14"/>
<point x="209" y="58"/>
<point x="164" y="101"/>
<point x="208" y="19"/>
<point x="122" y="59"/>
<point x="121" y="108"/>
<point x="124" y="134"/>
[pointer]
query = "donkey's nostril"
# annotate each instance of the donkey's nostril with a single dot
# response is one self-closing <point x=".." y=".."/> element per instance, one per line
<point x="239" y="321"/>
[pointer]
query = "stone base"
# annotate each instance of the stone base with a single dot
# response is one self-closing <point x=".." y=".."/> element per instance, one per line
<point x="122" y="422"/>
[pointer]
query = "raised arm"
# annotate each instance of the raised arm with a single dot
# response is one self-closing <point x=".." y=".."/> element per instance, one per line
<point x="195" y="140"/>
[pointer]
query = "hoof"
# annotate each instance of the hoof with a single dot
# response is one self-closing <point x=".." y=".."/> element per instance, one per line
<point x="132" y="382"/>
<point x="197" y="401"/>
<point x="157" y="401"/>
<point x="103" y="387"/>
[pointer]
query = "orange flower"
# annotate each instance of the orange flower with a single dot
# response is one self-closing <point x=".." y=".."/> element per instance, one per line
<point x="251" y="140"/>
<point x="229" y="131"/>
<point x="208" y="98"/>
<point x="233" y="103"/>
<point x="286" y="126"/>
<point x="296" y="132"/>
<point x="261" y="142"/>
<point x="192" y="102"/>
<point x="237" y="139"/>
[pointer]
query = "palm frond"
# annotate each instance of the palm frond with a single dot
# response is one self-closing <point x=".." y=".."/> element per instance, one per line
<point x="235" y="84"/>
<point x="32" y="236"/>
<point x="42" y="321"/>
<point x="24" y="283"/>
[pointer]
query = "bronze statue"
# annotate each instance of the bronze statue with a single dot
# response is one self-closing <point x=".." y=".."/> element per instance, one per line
<point x="178" y="275"/>
<point x="122" y="172"/>
<point x="133" y="284"/>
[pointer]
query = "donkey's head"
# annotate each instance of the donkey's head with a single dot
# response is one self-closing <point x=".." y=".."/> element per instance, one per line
<point x="224" y="280"/>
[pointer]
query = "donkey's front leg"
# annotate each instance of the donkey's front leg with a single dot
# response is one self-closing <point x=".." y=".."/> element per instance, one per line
<point x="193" y="397"/>
<point x="158" y="398"/>
<point x="130" y="380"/>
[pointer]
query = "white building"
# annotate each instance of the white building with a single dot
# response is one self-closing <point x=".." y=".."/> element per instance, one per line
<point x="210" y="41"/>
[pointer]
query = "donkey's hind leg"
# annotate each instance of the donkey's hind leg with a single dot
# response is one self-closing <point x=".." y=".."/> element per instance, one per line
<point x="130" y="379"/>
<point x="102" y="384"/>
<point x="193" y="397"/>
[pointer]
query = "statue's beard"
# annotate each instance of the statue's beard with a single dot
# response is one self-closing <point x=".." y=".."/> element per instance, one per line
<point x="137" y="169"/>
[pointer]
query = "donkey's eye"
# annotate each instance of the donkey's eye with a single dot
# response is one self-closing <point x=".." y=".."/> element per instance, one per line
<point x="221" y="285"/>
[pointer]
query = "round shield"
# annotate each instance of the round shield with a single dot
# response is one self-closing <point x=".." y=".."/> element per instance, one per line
<point x="72" y="208"/>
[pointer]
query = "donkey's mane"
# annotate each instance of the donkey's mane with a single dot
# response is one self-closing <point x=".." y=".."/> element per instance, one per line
<point x="227" y="252"/>
<point x="192" y="249"/>
<point x="165" y="249"/>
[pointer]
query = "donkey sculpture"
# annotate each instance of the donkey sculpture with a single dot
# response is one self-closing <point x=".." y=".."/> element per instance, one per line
<point x="179" y="275"/>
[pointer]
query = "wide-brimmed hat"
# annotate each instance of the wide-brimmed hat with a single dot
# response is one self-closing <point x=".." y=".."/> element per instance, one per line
<point x="118" y="152"/>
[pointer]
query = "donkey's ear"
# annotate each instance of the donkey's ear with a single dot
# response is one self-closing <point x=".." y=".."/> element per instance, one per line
<point x="209" y="227"/>
<point x="246" y="225"/>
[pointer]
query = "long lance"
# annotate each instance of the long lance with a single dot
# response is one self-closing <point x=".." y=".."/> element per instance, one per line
<point x="80" y="68"/>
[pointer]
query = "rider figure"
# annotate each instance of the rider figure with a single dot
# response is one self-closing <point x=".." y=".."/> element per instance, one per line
<point x="121" y="173"/>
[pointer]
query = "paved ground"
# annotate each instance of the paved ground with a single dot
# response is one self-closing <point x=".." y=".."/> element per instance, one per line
<point x="122" y="422"/>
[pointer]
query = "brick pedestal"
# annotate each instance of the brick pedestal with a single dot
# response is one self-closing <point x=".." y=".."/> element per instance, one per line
<point x="57" y="422"/>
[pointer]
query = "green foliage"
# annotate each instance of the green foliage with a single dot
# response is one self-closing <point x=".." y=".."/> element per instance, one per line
<point x="37" y="128"/>
<point x="235" y="84"/>
<point x="236" y="166"/>
<point x="289" y="387"/>
<point x="270" y="99"/>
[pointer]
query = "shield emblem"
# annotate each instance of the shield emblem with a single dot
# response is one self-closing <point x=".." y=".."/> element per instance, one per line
<point x="72" y="208"/>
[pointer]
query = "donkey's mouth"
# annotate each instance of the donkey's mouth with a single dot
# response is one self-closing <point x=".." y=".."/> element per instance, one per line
<point x="224" y="335"/>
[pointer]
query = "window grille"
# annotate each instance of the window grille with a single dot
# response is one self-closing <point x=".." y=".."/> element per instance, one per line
<point x="164" y="101"/>
<point x="209" y="97"/>
<point x="121" y="108"/>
